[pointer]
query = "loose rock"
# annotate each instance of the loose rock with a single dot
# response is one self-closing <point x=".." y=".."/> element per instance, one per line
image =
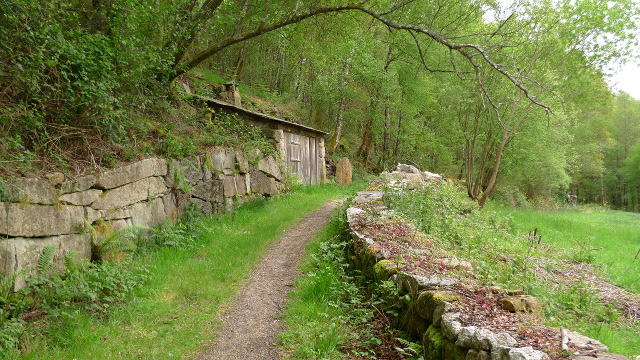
<point x="344" y="171"/>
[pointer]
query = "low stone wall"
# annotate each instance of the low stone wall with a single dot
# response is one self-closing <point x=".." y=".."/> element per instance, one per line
<point x="57" y="210"/>
<point x="453" y="317"/>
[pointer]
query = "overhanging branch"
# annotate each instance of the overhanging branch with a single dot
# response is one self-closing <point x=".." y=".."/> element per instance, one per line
<point x="467" y="50"/>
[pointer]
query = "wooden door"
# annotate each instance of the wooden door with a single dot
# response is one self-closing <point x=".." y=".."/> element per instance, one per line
<point x="302" y="156"/>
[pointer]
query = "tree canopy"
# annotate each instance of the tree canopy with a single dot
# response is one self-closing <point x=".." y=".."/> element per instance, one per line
<point x="511" y="99"/>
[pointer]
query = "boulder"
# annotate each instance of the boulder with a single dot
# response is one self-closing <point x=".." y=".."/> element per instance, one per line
<point x="183" y="173"/>
<point x="383" y="269"/>
<point x="344" y="172"/>
<point x="270" y="166"/>
<point x="281" y="146"/>
<point x="204" y="206"/>
<point x="526" y="353"/>
<point x="82" y="198"/>
<point x="113" y="214"/>
<point x="131" y="173"/>
<point x="242" y="164"/>
<point x="131" y="193"/>
<point x="22" y="254"/>
<point x="211" y="190"/>
<point x="455" y="263"/>
<point x="431" y="177"/>
<point x="604" y="356"/>
<point x="55" y="178"/>
<point x="451" y="327"/>
<point x="410" y="169"/>
<point x="81" y="183"/>
<point x="229" y="184"/>
<point x="433" y="281"/>
<point x="583" y="343"/>
<point x="474" y="354"/>
<point x="148" y="213"/>
<point x="366" y="197"/>
<point x="222" y="161"/>
<point x="170" y="206"/>
<point x="263" y="184"/>
<point x="519" y="303"/>
<point x="31" y="220"/>
<point x="430" y="304"/>
<point x="410" y="181"/>
<point x="34" y="191"/>
<point x="473" y="337"/>
<point x="241" y="184"/>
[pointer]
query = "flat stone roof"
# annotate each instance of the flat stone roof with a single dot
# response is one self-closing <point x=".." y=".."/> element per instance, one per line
<point x="269" y="118"/>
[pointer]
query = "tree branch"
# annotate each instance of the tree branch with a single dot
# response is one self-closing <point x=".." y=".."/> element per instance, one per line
<point x="467" y="50"/>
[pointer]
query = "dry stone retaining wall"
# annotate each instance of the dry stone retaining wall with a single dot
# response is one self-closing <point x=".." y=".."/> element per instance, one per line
<point x="430" y="313"/>
<point x="57" y="210"/>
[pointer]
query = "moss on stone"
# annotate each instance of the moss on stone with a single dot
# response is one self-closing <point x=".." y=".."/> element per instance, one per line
<point x="103" y="228"/>
<point x="428" y="301"/>
<point x="383" y="269"/>
<point x="438" y="347"/>
<point x="433" y="343"/>
<point x="452" y="352"/>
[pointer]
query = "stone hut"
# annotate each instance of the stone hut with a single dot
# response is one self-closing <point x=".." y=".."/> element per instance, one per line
<point x="302" y="148"/>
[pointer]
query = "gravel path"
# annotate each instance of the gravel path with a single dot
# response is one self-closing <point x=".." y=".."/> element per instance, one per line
<point x="251" y="325"/>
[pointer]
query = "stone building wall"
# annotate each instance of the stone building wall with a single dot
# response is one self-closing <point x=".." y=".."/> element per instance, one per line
<point x="57" y="210"/>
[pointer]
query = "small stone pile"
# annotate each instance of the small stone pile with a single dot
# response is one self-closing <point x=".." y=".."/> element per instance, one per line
<point x="58" y="211"/>
<point x="447" y="310"/>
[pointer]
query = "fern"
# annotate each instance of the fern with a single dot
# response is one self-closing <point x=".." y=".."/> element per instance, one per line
<point x="45" y="261"/>
<point x="69" y="261"/>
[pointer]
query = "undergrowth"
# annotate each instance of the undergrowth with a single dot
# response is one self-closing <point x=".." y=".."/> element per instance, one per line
<point x="334" y="313"/>
<point x="511" y="261"/>
<point x="55" y="293"/>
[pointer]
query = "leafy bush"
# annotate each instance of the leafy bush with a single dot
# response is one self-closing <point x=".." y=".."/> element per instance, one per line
<point x="69" y="69"/>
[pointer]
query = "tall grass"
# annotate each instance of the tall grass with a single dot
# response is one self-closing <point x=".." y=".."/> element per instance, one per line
<point x="174" y="313"/>
<point x="606" y="237"/>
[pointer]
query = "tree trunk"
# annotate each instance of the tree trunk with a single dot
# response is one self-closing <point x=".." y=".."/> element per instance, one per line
<point x="339" y="125"/>
<point x="494" y="172"/>
<point x="385" y="137"/>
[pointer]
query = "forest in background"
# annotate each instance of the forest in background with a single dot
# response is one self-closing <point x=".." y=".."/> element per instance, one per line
<point x="509" y="99"/>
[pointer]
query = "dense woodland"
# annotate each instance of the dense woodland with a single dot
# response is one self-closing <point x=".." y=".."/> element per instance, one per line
<point x="509" y="99"/>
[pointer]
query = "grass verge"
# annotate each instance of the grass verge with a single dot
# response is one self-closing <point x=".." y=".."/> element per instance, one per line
<point x="174" y="312"/>
<point x="331" y="313"/>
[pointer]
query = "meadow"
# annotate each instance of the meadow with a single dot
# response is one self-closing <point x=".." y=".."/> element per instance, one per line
<point x="609" y="239"/>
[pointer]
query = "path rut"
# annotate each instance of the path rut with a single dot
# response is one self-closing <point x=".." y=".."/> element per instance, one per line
<point x="250" y="326"/>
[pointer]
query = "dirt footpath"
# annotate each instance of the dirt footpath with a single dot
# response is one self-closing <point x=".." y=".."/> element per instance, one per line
<point x="250" y="326"/>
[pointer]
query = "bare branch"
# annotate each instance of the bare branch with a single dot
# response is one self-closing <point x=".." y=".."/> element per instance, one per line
<point x="424" y="63"/>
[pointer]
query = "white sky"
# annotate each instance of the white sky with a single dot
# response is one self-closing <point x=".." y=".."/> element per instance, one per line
<point x="627" y="79"/>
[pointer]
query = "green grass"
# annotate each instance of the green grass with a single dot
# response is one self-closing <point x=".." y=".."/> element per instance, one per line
<point x="576" y="232"/>
<point x="174" y="314"/>
<point x="314" y="319"/>
<point x="615" y="233"/>
<point x="330" y="313"/>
